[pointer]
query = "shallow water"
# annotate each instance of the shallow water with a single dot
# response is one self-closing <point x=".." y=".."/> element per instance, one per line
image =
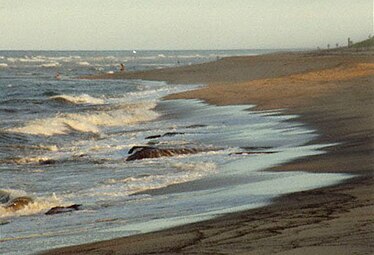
<point x="65" y="142"/>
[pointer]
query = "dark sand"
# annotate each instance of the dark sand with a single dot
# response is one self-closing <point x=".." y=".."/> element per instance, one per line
<point x="333" y="92"/>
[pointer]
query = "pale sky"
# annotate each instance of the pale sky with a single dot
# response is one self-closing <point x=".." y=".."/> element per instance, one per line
<point x="181" y="24"/>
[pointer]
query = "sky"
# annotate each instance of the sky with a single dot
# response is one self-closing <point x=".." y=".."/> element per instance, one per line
<point x="181" y="24"/>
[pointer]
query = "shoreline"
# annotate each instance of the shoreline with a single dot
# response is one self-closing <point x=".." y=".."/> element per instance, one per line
<point x="322" y="90"/>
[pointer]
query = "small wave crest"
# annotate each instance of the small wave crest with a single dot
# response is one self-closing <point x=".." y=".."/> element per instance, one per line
<point x="183" y="172"/>
<point x="28" y="160"/>
<point x="81" y="99"/>
<point x="50" y="65"/>
<point x="38" y="205"/>
<point x="89" y="122"/>
<point x="84" y="63"/>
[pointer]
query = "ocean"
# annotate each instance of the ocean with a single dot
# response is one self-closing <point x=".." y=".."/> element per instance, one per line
<point x="65" y="141"/>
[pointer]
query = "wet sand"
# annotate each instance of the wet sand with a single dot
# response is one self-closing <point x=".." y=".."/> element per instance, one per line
<point x="333" y="92"/>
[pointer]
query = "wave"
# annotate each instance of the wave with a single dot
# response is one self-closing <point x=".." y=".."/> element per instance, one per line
<point x="21" y="161"/>
<point x="32" y="60"/>
<point x="84" y="63"/>
<point x="3" y="65"/>
<point x="81" y="99"/>
<point x="55" y="126"/>
<point x="89" y="122"/>
<point x="51" y="65"/>
<point x="39" y="205"/>
<point x="181" y="173"/>
<point x="39" y="147"/>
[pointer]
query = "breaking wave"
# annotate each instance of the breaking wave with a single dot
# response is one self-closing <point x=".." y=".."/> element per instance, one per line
<point x="89" y="122"/>
<point x="29" y="160"/>
<point x="84" y="63"/>
<point x="39" y="205"/>
<point x="81" y="99"/>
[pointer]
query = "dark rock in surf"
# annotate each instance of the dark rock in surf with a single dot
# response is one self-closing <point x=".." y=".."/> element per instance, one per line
<point x="143" y="152"/>
<point x="172" y="134"/>
<point x="63" y="209"/>
<point x="18" y="203"/>
<point x="153" y="136"/>
<point x="164" y="135"/>
<point x="196" y="126"/>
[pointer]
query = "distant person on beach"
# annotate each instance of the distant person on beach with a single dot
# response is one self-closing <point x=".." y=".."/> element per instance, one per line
<point x="122" y="68"/>
<point x="58" y="76"/>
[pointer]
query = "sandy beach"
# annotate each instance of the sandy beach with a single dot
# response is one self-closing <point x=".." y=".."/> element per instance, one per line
<point x="331" y="92"/>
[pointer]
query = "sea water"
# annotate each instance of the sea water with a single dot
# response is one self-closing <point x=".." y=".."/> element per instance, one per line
<point x="66" y="141"/>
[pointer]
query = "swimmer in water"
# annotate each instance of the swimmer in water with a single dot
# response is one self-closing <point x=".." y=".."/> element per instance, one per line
<point x="58" y="76"/>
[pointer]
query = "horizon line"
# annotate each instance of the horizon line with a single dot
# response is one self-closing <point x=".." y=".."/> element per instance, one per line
<point x="223" y="49"/>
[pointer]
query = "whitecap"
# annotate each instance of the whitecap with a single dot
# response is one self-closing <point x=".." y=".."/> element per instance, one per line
<point x="12" y="60"/>
<point x="32" y="60"/>
<point x="39" y="205"/>
<point x="89" y="122"/>
<point x="55" y="126"/>
<point x="50" y="65"/>
<point x="84" y="63"/>
<point x="3" y="65"/>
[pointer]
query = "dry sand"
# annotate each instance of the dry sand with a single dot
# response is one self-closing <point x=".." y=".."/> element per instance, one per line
<point x="331" y="92"/>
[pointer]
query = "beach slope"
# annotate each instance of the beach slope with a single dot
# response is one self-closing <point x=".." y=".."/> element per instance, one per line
<point x="332" y="92"/>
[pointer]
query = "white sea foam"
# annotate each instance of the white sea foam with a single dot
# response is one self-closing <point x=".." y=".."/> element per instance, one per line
<point x="11" y="60"/>
<point x="27" y="160"/>
<point x="81" y="99"/>
<point x="3" y="65"/>
<point x="56" y="126"/>
<point x="89" y="122"/>
<point x="50" y="65"/>
<point x="53" y="148"/>
<point x="32" y="59"/>
<point x="39" y="205"/>
<point x="84" y="63"/>
<point x="183" y="172"/>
